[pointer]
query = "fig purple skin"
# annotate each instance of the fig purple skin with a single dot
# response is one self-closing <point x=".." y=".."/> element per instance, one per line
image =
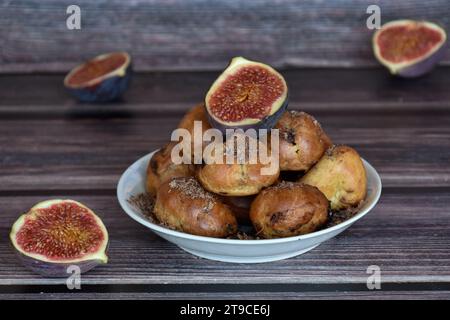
<point x="427" y="34"/>
<point x="56" y="270"/>
<point x="107" y="90"/>
<point x="265" y="123"/>
<point x="422" y="67"/>
<point x="104" y="88"/>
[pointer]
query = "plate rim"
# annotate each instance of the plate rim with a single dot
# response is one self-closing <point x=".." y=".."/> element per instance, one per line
<point x="157" y="228"/>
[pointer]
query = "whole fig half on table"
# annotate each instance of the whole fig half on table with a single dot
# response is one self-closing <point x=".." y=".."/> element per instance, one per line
<point x="57" y="234"/>
<point x="102" y="79"/>
<point x="409" y="48"/>
<point x="248" y="94"/>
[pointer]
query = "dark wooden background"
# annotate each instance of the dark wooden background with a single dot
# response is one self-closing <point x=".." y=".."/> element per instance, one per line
<point x="51" y="146"/>
<point x="199" y="34"/>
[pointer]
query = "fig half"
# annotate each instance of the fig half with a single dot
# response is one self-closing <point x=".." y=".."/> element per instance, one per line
<point x="56" y="234"/>
<point x="104" y="78"/>
<point x="409" y="48"/>
<point x="248" y="94"/>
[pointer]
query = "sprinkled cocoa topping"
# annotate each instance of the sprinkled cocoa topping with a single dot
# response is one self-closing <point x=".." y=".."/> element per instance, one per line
<point x="285" y="185"/>
<point x="338" y="217"/>
<point x="241" y="235"/>
<point x="296" y="113"/>
<point x="191" y="188"/>
<point x="209" y="206"/>
<point x="145" y="203"/>
<point x="330" y="151"/>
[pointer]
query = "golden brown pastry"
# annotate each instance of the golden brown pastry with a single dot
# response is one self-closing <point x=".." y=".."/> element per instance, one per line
<point x="288" y="209"/>
<point x="341" y="176"/>
<point x="197" y="113"/>
<point x="240" y="207"/>
<point x="236" y="179"/>
<point x="182" y="204"/>
<point x="161" y="168"/>
<point x="302" y="141"/>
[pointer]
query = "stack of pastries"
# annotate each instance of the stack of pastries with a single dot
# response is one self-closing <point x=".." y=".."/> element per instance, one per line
<point x="213" y="199"/>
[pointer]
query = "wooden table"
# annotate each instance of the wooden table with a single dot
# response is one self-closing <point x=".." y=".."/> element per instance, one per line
<point x="50" y="146"/>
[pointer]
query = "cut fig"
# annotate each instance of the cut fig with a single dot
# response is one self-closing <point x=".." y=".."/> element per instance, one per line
<point x="247" y="94"/>
<point x="409" y="48"/>
<point x="102" y="79"/>
<point x="56" y="234"/>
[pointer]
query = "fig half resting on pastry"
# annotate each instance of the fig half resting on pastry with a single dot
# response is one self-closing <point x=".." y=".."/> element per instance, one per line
<point x="248" y="94"/>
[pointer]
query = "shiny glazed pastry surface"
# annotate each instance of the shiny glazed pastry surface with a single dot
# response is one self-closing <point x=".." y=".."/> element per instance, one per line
<point x="184" y="205"/>
<point x="302" y="141"/>
<point x="161" y="169"/>
<point x="288" y="209"/>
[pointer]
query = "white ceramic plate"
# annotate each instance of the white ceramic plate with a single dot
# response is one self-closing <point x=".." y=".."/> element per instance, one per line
<point x="132" y="182"/>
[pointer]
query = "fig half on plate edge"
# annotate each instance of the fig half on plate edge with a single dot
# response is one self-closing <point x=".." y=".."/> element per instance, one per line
<point x="56" y="234"/>
<point x="248" y="94"/>
<point x="409" y="48"/>
<point x="102" y="79"/>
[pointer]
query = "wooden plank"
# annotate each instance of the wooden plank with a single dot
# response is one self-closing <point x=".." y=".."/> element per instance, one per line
<point x="51" y="147"/>
<point x="88" y="153"/>
<point x="372" y="295"/>
<point x="150" y="94"/>
<point x="199" y="35"/>
<point x="407" y="235"/>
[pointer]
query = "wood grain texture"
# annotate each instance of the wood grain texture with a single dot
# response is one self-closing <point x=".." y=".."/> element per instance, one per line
<point x="199" y="34"/>
<point x="52" y="147"/>
<point x="85" y="154"/>
<point x="241" y="296"/>
<point x="407" y="235"/>
<point x="355" y="90"/>
<point x="401" y="127"/>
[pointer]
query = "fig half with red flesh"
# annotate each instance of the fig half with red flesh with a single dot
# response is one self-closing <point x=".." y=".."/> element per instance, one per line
<point x="409" y="48"/>
<point x="56" y="234"/>
<point x="102" y="79"/>
<point x="248" y="94"/>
